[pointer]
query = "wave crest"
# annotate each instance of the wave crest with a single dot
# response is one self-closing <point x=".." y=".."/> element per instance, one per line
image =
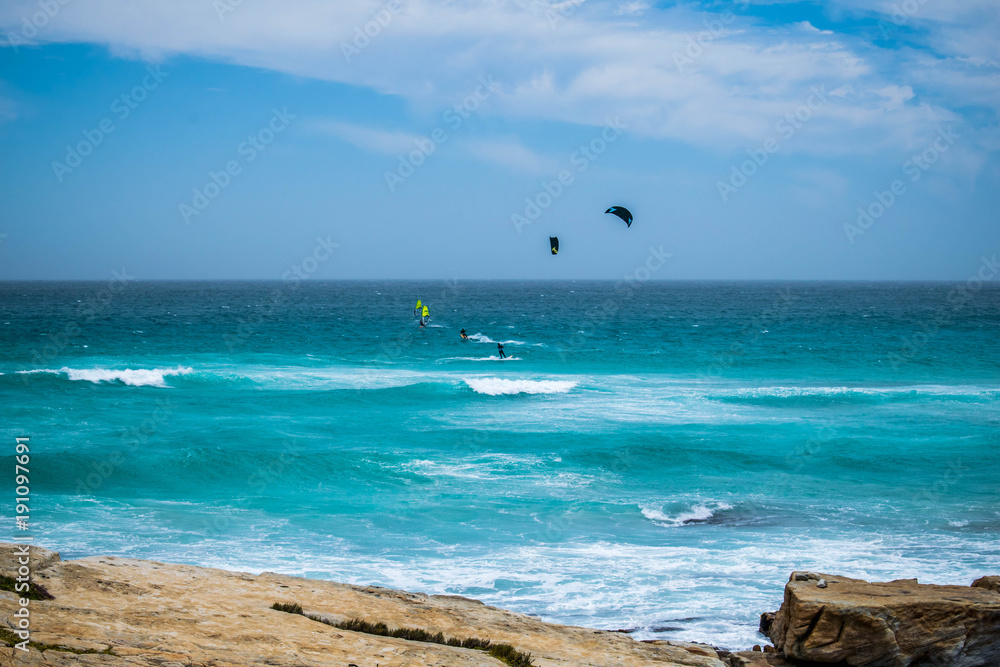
<point x="499" y="387"/>
<point x="139" y="377"/>
<point x="700" y="513"/>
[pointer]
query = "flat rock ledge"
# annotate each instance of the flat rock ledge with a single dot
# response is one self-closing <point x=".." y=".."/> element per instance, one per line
<point x="828" y="619"/>
<point x="122" y="612"/>
<point x="138" y="613"/>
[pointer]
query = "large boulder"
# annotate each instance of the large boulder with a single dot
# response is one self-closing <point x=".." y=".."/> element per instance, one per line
<point x="989" y="583"/>
<point x="831" y="619"/>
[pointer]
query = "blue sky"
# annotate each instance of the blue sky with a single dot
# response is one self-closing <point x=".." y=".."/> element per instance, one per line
<point x="246" y="137"/>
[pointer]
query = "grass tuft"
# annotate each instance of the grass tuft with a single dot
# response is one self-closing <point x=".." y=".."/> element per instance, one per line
<point x="12" y="639"/>
<point x="291" y="608"/>
<point x="503" y="652"/>
<point x="510" y="655"/>
<point x="34" y="592"/>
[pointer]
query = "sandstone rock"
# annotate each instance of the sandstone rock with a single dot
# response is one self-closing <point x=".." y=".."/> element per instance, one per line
<point x="766" y="620"/>
<point x="39" y="558"/>
<point x="695" y="648"/>
<point x="894" y="624"/>
<point x="757" y="659"/>
<point x="989" y="583"/>
<point x="154" y="614"/>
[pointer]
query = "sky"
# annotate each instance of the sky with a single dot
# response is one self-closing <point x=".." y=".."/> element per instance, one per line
<point x="254" y="139"/>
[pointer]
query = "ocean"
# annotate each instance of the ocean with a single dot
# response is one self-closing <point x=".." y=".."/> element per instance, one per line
<point x="656" y="457"/>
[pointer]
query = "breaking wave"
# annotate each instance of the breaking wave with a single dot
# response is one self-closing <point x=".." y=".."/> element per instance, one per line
<point x="500" y="387"/>
<point x="138" y="377"/>
<point x="700" y="513"/>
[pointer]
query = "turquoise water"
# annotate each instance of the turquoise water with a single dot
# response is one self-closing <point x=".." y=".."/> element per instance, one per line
<point x="656" y="457"/>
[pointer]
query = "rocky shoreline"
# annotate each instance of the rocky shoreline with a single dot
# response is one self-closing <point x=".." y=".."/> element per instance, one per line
<point x="124" y="612"/>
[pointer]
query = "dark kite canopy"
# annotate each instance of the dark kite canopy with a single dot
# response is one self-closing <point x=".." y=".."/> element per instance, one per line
<point x="622" y="213"/>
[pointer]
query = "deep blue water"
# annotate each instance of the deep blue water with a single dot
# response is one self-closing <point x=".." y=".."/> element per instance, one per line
<point x="658" y="457"/>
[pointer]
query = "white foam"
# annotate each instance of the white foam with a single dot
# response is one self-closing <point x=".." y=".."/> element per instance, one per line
<point x="485" y="466"/>
<point x="934" y="390"/>
<point x="139" y="377"/>
<point x="699" y="513"/>
<point x="334" y="377"/>
<point x="490" y="358"/>
<point x="492" y="386"/>
<point x="480" y="338"/>
<point x="714" y="589"/>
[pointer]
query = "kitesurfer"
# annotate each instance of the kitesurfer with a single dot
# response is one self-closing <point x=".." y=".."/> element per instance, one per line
<point x="500" y="350"/>
<point x="465" y="336"/>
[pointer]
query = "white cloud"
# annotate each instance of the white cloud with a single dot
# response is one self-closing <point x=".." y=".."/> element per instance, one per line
<point x="809" y="27"/>
<point x="367" y="138"/>
<point x="589" y="66"/>
<point x="506" y="151"/>
<point x="632" y="8"/>
<point x="956" y="28"/>
<point x="510" y="153"/>
<point x="897" y="96"/>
